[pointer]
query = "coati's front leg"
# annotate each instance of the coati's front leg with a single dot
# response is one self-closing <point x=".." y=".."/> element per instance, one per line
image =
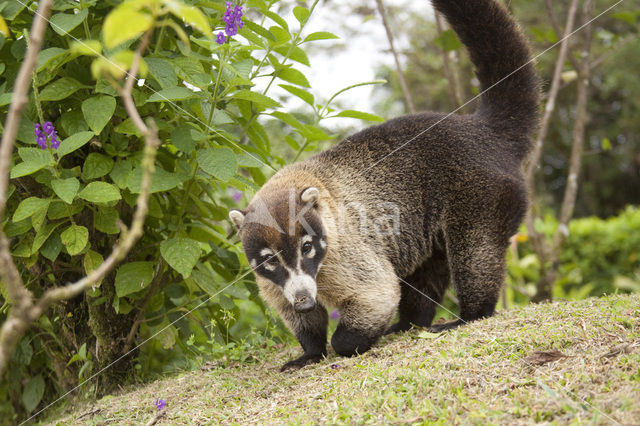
<point x="364" y="319"/>
<point x="310" y="329"/>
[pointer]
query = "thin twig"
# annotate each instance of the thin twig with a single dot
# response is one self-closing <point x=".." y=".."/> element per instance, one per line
<point x="403" y="83"/>
<point x="550" y="259"/>
<point x="556" y="28"/>
<point x="536" y="239"/>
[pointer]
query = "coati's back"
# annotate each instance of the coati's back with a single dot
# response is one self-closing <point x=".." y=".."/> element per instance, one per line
<point x="424" y="161"/>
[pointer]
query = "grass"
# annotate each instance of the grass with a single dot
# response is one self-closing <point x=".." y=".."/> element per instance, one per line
<point x="491" y="371"/>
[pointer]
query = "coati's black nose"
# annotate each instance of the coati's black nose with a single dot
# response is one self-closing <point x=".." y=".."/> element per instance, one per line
<point x="303" y="302"/>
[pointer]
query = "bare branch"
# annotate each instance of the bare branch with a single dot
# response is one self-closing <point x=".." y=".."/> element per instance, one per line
<point x="558" y="31"/>
<point x="550" y="258"/>
<point x="577" y="147"/>
<point x="534" y="158"/>
<point x="403" y="83"/>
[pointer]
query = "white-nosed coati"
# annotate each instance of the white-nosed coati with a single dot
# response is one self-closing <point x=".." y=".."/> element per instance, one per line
<point x="314" y="236"/>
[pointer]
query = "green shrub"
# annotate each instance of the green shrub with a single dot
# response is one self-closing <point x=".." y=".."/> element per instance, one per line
<point x="600" y="256"/>
<point x="65" y="205"/>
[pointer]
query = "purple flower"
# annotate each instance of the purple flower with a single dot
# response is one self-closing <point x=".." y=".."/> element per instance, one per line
<point x="237" y="196"/>
<point x="334" y="315"/>
<point x="231" y="29"/>
<point x="161" y="403"/>
<point x="48" y="127"/>
<point x="233" y="19"/>
<point x="334" y="366"/>
<point x="41" y="138"/>
<point x="220" y="38"/>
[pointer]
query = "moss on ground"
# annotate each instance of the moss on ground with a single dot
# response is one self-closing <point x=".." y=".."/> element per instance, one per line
<point x="486" y="372"/>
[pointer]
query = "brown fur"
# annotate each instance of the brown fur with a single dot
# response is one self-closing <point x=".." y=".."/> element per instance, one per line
<point x="458" y="189"/>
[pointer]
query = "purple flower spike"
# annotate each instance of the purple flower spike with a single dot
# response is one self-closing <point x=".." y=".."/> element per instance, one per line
<point x="161" y="403"/>
<point x="233" y="19"/>
<point x="41" y="138"/>
<point x="237" y="196"/>
<point x="334" y="315"/>
<point x="220" y="38"/>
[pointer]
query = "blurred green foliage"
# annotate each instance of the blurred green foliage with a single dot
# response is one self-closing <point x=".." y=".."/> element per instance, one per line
<point x="600" y="256"/>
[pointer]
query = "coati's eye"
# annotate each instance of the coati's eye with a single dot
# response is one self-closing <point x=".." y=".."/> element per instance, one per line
<point x="272" y="260"/>
<point x="306" y="247"/>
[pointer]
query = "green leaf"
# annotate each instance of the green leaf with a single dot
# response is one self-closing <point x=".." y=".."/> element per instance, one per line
<point x="5" y="98"/>
<point x="133" y="277"/>
<point x="86" y="47"/>
<point x="73" y="142"/>
<point x="249" y="160"/>
<point x="177" y="93"/>
<point x="75" y="238"/>
<point x="300" y="93"/>
<point x="163" y="72"/>
<point x="606" y="144"/>
<point x="63" y="23"/>
<point x="277" y="19"/>
<point x="320" y="35"/>
<point x="185" y="138"/>
<point x="218" y="162"/>
<point x="52" y="247"/>
<point x="34" y="160"/>
<point x="60" y="89"/>
<point x="448" y="40"/>
<point x="43" y="235"/>
<point x="95" y="166"/>
<point x="100" y="193"/>
<point x="120" y="173"/>
<point x="256" y="98"/>
<point x="124" y="23"/>
<point x="258" y="30"/>
<point x="181" y="254"/>
<point x="97" y="111"/>
<point x="33" y="392"/>
<point x="301" y="14"/>
<point x="282" y="36"/>
<point x="190" y="15"/>
<point x="51" y="58"/>
<point x="66" y="189"/>
<point x="359" y="114"/>
<point x="30" y="206"/>
<point x="92" y="261"/>
<point x="105" y="219"/>
<point x="161" y="180"/>
<point x="294" y="76"/>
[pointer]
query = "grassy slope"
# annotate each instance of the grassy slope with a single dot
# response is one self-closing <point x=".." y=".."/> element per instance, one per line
<point x="476" y="374"/>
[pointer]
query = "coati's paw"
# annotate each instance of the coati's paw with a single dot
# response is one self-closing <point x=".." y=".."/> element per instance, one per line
<point x="298" y="363"/>
<point x="439" y="328"/>
<point x="350" y="342"/>
<point x="398" y="328"/>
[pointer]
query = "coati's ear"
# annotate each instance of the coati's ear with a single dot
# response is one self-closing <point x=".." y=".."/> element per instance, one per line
<point x="237" y="217"/>
<point x="310" y="195"/>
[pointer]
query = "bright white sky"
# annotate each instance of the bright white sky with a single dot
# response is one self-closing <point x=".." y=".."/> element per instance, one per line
<point x="362" y="47"/>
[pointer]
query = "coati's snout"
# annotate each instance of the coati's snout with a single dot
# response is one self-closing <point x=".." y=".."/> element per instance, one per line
<point x="284" y="240"/>
<point x="303" y="302"/>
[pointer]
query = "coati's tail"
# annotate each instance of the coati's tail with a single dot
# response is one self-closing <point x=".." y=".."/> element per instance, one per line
<point x="497" y="49"/>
